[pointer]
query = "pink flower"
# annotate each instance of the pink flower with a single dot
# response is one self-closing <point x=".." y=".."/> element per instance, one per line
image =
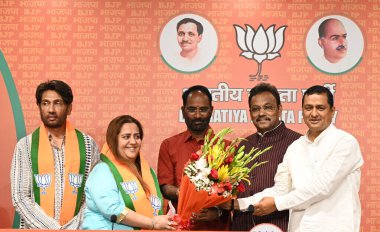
<point x="217" y="188"/>
<point x="241" y="187"/>
<point x="214" y="174"/>
<point x="194" y="156"/>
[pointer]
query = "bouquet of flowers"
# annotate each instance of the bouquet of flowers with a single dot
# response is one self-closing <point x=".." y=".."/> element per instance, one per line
<point x="214" y="175"/>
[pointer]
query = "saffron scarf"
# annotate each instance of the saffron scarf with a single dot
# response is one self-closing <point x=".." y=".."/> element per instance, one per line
<point x="44" y="172"/>
<point x="131" y="189"/>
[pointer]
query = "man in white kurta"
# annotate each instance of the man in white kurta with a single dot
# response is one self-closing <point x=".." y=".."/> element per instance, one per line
<point x="319" y="179"/>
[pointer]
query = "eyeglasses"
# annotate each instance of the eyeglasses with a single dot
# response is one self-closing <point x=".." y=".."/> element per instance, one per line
<point x="266" y="108"/>
<point x="201" y="110"/>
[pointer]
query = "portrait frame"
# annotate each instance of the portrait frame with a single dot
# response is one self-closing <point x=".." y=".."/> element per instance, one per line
<point x="170" y="49"/>
<point x="355" y="47"/>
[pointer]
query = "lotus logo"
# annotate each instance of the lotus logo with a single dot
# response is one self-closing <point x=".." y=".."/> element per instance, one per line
<point x="259" y="45"/>
<point x="75" y="181"/>
<point x="130" y="187"/>
<point x="156" y="204"/>
<point x="43" y="181"/>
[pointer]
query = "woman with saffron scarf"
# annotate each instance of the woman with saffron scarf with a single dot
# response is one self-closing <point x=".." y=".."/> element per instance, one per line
<point x="123" y="188"/>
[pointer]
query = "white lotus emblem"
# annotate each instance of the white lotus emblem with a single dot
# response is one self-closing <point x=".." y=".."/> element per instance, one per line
<point x="75" y="181"/>
<point x="43" y="181"/>
<point x="156" y="204"/>
<point x="261" y="44"/>
<point x="130" y="187"/>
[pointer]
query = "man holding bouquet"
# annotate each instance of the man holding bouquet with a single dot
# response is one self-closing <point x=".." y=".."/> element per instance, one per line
<point x="176" y="151"/>
<point x="265" y="109"/>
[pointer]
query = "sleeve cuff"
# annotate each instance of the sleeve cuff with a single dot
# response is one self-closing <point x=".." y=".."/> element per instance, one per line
<point x="281" y="203"/>
<point x="243" y="204"/>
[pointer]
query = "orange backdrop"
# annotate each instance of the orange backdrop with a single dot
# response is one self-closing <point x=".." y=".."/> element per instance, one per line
<point x="109" y="52"/>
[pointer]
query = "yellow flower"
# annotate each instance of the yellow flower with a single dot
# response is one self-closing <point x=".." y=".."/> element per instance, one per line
<point x="215" y="151"/>
<point x="216" y="156"/>
<point x="223" y="173"/>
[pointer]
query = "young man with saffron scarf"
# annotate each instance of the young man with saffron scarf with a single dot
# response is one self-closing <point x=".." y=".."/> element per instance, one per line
<point x="51" y="165"/>
<point x="123" y="187"/>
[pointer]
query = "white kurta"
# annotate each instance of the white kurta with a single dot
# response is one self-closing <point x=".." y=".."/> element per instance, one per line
<point x="32" y="216"/>
<point x="319" y="182"/>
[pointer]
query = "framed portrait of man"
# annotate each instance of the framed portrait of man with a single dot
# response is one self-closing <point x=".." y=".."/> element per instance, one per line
<point x="335" y="44"/>
<point x="188" y="43"/>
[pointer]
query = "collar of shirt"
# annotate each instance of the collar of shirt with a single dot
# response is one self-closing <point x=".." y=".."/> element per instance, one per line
<point x="280" y="126"/>
<point x="320" y="136"/>
<point x="188" y="137"/>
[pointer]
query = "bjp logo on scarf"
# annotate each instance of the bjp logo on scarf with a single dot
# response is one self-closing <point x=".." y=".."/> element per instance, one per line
<point x="43" y="181"/>
<point x="156" y="204"/>
<point x="130" y="187"/>
<point x="75" y="181"/>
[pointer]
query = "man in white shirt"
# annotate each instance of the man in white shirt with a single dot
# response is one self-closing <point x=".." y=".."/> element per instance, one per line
<point x="319" y="178"/>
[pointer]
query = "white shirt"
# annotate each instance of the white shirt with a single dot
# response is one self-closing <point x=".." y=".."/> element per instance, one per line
<point x="319" y="183"/>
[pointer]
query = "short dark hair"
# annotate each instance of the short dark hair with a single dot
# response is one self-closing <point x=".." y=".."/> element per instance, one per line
<point x="195" y="88"/>
<point x="322" y="27"/>
<point x="264" y="87"/>
<point x="190" y="20"/>
<point x="58" y="86"/>
<point x="318" y="89"/>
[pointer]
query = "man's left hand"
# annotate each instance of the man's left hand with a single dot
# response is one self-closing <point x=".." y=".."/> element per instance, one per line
<point x="265" y="207"/>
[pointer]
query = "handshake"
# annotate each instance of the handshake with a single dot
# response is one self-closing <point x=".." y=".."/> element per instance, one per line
<point x="264" y="207"/>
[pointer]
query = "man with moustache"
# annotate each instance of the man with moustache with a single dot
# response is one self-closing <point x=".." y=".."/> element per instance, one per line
<point x="189" y="35"/>
<point x="190" y="57"/>
<point x="50" y="166"/>
<point x="265" y="109"/>
<point x="332" y="39"/>
<point x="319" y="179"/>
<point x="175" y="152"/>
